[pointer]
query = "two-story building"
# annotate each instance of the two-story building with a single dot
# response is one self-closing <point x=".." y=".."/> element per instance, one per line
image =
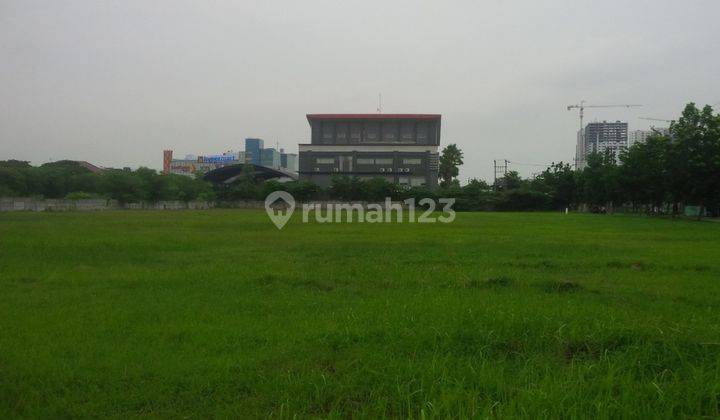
<point x="402" y="148"/>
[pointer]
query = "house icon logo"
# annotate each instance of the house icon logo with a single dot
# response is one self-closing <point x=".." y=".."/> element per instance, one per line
<point x="279" y="206"/>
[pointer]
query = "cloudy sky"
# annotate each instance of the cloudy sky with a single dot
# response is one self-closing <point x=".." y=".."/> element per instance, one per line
<point x="116" y="82"/>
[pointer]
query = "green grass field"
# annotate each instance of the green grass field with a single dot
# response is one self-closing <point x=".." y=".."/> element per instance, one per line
<point x="217" y="313"/>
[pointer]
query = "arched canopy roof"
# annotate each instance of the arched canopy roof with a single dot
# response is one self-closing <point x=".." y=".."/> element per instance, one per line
<point x="261" y="173"/>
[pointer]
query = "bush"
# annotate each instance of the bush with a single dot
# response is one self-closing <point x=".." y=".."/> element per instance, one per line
<point x="79" y="195"/>
<point x="523" y="200"/>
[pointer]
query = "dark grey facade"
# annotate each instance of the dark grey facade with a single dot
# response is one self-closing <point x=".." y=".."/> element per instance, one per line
<point x="402" y="148"/>
<point x="602" y="136"/>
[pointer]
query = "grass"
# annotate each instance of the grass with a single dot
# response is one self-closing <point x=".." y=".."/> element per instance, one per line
<point x="217" y="313"/>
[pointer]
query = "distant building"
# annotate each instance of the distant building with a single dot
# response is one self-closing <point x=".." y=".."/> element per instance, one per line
<point x="599" y="137"/>
<point x="289" y="161"/>
<point x="167" y="160"/>
<point x="199" y="164"/>
<point x="638" y="136"/>
<point x="254" y="147"/>
<point x="401" y="148"/>
<point x="254" y="153"/>
<point x="270" y="158"/>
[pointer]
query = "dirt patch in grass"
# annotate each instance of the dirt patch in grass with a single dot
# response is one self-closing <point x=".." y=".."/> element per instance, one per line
<point x="317" y="285"/>
<point x="593" y="349"/>
<point x="636" y="265"/>
<point x="272" y="281"/>
<point x="498" y="282"/>
<point x="564" y="286"/>
<point x="489" y="283"/>
<point x="535" y="264"/>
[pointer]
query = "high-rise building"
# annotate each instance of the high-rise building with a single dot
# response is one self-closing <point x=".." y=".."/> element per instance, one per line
<point x="639" y="136"/>
<point x="289" y="161"/>
<point x="599" y="137"/>
<point x="402" y="148"/>
<point x="254" y="147"/>
<point x="270" y="158"/>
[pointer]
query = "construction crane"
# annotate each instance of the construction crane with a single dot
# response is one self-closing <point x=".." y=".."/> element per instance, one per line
<point x="657" y="119"/>
<point x="581" y="106"/>
<point x="652" y="127"/>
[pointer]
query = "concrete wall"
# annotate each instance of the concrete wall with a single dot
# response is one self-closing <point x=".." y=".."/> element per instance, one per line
<point x="34" y="204"/>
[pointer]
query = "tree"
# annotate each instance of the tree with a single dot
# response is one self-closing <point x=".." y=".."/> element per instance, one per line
<point x="476" y="195"/>
<point x="450" y="160"/>
<point x="694" y="158"/>
<point x="346" y="188"/>
<point x="57" y="179"/>
<point x="512" y="181"/>
<point x="123" y="186"/>
<point x="377" y="189"/>
<point x="302" y="190"/>
<point x="598" y="182"/>
<point x="644" y="172"/>
<point x="559" y="181"/>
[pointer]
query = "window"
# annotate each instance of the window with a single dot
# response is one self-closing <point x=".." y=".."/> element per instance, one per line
<point x="346" y="163"/>
<point x="328" y="129"/>
<point x="416" y="181"/>
<point x="372" y="132"/>
<point x="356" y="131"/>
<point x="412" y="161"/>
<point x="325" y="161"/>
<point x="406" y="131"/>
<point x="390" y="132"/>
<point x="341" y="131"/>
<point x="374" y="161"/>
<point x="404" y="180"/>
<point x="422" y="131"/>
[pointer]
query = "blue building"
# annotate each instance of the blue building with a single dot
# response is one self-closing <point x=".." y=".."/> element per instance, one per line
<point x="288" y="161"/>
<point x="270" y="158"/>
<point x="254" y="148"/>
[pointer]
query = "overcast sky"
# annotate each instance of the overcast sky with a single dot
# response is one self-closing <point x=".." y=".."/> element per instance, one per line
<point x="116" y="82"/>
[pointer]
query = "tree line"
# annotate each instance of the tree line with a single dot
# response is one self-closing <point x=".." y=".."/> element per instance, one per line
<point x="70" y="180"/>
<point x="660" y="175"/>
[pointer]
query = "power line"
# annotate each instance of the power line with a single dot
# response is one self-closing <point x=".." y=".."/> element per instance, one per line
<point x="531" y="164"/>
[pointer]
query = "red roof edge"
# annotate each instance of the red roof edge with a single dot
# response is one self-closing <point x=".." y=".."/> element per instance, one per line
<point x="373" y="117"/>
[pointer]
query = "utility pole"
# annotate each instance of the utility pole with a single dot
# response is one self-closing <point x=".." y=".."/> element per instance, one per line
<point x="500" y="169"/>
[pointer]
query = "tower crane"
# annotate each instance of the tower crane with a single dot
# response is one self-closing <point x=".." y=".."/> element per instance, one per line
<point x="581" y="106"/>
<point x="656" y="119"/>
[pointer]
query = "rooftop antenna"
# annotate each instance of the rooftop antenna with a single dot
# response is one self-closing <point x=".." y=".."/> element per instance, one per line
<point x="379" y="108"/>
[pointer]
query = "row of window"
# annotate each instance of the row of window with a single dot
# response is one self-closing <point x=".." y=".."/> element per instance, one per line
<point x="412" y="181"/>
<point x="374" y="131"/>
<point x="370" y="161"/>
